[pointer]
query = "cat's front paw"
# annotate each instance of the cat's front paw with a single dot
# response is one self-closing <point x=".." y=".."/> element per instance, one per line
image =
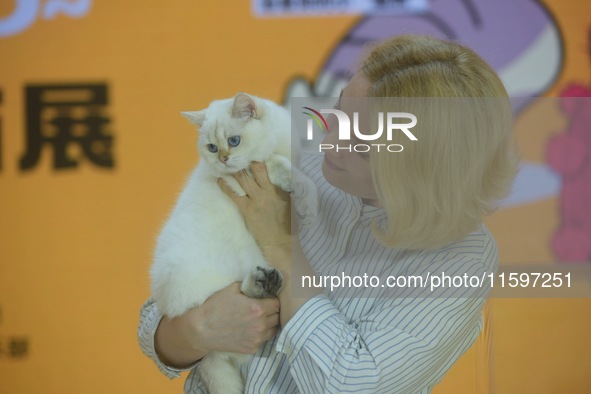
<point x="262" y="283"/>
<point x="305" y="201"/>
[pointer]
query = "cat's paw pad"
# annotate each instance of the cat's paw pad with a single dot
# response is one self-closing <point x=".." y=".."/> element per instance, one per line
<point x="262" y="283"/>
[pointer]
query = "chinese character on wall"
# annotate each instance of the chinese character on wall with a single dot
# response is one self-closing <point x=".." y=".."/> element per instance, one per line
<point x="18" y="347"/>
<point x="70" y="121"/>
<point x="14" y="346"/>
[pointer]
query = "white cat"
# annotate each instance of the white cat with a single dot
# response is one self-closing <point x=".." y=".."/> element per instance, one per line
<point x="205" y="245"/>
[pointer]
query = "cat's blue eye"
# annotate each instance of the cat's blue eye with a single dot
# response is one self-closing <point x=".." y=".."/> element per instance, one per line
<point x="212" y="148"/>
<point x="234" y="141"/>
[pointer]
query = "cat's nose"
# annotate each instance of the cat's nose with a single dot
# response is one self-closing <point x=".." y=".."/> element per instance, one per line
<point x="223" y="159"/>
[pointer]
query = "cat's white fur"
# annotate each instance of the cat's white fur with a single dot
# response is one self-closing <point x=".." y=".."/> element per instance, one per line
<point x="205" y="246"/>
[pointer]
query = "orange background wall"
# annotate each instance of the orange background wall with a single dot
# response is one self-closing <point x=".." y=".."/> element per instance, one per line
<point x="75" y="245"/>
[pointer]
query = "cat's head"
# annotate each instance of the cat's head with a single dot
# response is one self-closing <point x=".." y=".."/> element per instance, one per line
<point x="234" y="132"/>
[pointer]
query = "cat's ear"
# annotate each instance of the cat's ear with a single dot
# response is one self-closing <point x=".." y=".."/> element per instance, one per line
<point x="194" y="117"/>
<point x="245" y="107"/>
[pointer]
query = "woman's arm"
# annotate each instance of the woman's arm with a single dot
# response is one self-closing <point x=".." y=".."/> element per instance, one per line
<point x="227" y="321"/>
<point x="150" y="318"/>
<point x="293" y="264"/>
<point x="267" y="213"/>
<point x="174" y="341"/>
<point x="403" y="346"/>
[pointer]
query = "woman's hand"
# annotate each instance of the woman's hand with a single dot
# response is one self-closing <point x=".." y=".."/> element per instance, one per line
<point x="265" y="209"/>
<point x="228" y="321"/>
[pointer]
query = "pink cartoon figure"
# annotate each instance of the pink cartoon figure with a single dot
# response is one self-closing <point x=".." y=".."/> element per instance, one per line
<point x="569" y="154"/>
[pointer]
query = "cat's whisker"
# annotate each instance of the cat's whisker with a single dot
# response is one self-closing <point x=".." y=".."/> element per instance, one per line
<point x="238" y="160"/>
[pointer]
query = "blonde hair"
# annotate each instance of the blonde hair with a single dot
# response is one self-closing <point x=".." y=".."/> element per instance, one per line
<point x="436" y="190"/>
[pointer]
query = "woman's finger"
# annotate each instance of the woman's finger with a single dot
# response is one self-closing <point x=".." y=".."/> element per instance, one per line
<point x="261" y="176"/>
<point x="247" y="182"/>
<point x="240" y="201"/>
<point x="270" y="305"/>
<point x="272" y="321"/>
<point x="270" y="333"/>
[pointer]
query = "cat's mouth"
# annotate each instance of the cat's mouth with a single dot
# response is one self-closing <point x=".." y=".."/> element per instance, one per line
<point x="230" y="168"/>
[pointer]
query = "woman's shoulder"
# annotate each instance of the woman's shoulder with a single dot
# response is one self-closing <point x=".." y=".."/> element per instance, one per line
<point x="478" y="248"/>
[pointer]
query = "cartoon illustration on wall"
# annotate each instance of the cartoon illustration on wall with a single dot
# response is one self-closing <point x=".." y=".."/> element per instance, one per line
<point x="569" y="155"/>
<point x="521" y="40"/>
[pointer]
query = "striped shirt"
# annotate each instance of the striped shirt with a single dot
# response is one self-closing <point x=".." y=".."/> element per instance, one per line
<point x="391" y="334"/>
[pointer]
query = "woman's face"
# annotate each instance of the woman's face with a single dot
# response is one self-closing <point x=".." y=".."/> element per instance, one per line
<point x="349" y="171"/>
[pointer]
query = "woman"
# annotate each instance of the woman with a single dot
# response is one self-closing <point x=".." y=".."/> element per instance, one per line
<point x="415" y="213"/>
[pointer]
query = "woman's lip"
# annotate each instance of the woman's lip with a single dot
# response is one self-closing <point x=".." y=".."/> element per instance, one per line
<point x="330" y="164"/>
